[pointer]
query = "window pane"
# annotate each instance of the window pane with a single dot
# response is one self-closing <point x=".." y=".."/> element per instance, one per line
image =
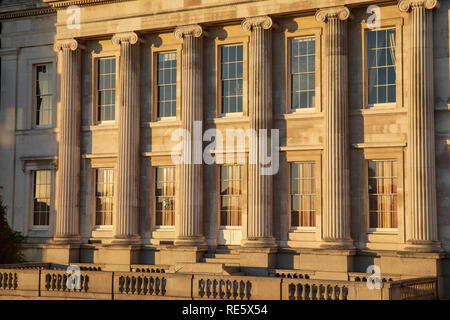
<point x="165" y="196"/>
<point x="302" y="194"/>
<point x="382" y="193"/>
<point x="232" y="78"/>
<point x="303" y="72"/>
<point x="44" y="94"/>
<point x="104" y="196"/>
<point x="106" y="89"/>
<point x="41" y="197"/>
<point x="230" y="195"/>
<point x="381" y="66"/>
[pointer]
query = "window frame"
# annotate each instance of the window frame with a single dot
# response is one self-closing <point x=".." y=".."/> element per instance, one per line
<point x="397" y="25"/>
<point x="316" y="33"/>
<point x="33" y="102"/>
<point x="304" y="236"/>
<point x="153" y="188"/>
<point x="29" y="166"/>
<point x="239" y="40"/>
<point x="383" y="235"/>
<point x="94" y="172"/>
<point x="244" y="194"/>
<point x="98" y="231"/>
<point x="154" y="83"/>
<point x="95" y="58"/>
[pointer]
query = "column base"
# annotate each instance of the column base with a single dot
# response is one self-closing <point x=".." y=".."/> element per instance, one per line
<point x="75" y="239"/>
<point x="61" y="252"/>
<point x="180" y="254"/>
<point x="117" y="256"/>
<point x="126" y="240"/>
<point x="423" y="246"/>
<point x="337" y="244"/>
<point x="257" y="261"/>
<point x="198" y="241"/>
<point x="266" y="242"/>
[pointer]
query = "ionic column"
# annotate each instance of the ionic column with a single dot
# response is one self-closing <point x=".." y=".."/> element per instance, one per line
<point x="127" y="196"/>
<point x="421" y="150"/>
<point x="189" y="229"/>
<point x="68" y="174"/>
<point x="336" y="230"/>
<point x="260" y="233"/>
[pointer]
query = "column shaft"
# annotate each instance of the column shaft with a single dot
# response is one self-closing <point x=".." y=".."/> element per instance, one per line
<point x="127" y="194"/>
<point x="260" y="231"/>
<point x="421" y="144"/>
<point x="68" y="174"/>
<point x="190" y="230"/>
<point x="336" y="170"/>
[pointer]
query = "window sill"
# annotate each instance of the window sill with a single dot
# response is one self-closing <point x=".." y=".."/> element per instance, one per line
<point x="102" y="228"/>
<point x="302" y="114"/>
<point x="386" y="231"/>
<point x="101" y="126"/>
<point x="164" y="228"/>
<point x="303" y="229"/>
<point x="162" y="122"/>
<point x="40" y="228"/>
<point x="231" y="117"/>
<point x="230" y="227"/>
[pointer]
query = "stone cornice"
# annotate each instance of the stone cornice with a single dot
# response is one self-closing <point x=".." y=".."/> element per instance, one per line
<point x="26" y="13"/>
<point x="406" y="5"/>
<point x="194" y="30"/>
<point x="71" y="44"/>
<point x="131" y="37"/>
<point x="341" y="13"/>
<point x="61" y="4"/>
<point x="264" y="22"/>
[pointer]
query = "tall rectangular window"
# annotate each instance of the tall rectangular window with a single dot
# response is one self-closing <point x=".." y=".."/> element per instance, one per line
<point x="104" y="196"/>
<point x="303" y="72"/>
<point x="41" y="197"/>
<point x="382" y="189"/>
<point x="230" y="195"/>
<point x="381" y="66"/>
<point x="106" y="87"/>
<point x="232" y="78"/>
<point x="165" y="196"/>
<point x="303" y="194"/>
<point x="44" y="94"/>
<point x="167" y="84"/>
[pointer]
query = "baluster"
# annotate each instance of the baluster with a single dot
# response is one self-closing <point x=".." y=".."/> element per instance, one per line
<point x="64" y="282"/>
<point x="163" y="286"/>
<point x="121" y="283"/>
<point x="152" y="284"/>
<point x="241" y="289"/>
<point x="10" y="281"/>
<point x="133" y="284"/>
<point x="201" y="288"/>
<point x="321" y="292"/>
<point x="303" y="296"/>
<point x="314" y="290"/>
<point x="86" y="283"/>
<point x="127" y="288"/>
<point x="291" y="291"/>
<point x="1" y="280"/>
<point x="248" y="290"/>
<point x="145" y="290"/>
<point x="229" y="286"/>
<point x="308" y="292"/>
<point x="139" y="285"/>
<point x="215" y="283"/>
<point x="235" y="289"/>
<point x="221" y="289"/>
<point x="48" y="279"/>
<point x="158" y="284"/>
<point x="208" y="288"/>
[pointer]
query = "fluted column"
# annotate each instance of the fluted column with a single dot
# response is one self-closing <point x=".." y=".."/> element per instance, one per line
<point x="127" y="191"/>
<point x="421" y="148"/>
<point x="336" y="171"/>
<point x="260" y="229"/>
<point x="189" y="229"/>
<point x="68" y="174"/>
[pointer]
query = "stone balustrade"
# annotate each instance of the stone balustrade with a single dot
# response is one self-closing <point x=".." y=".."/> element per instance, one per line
<point x="47" y="284"/>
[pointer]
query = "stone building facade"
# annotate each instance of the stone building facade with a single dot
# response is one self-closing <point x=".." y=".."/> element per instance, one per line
<point x="356" y="93"/>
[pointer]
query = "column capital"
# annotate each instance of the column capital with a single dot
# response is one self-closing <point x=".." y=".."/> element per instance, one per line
<point x="194" y="30"/>
<point x="131" y="37"/>
<point x="71" y="44"/>
<point x="341" y="13"/>
<point x="406" y="5"/>
<point x="264" y="22"/>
